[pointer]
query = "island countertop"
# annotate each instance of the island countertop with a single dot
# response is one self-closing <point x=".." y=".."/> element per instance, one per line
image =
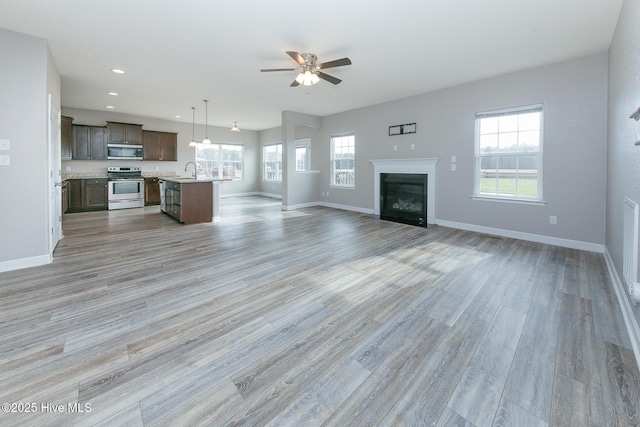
<point x="187" y="180"/>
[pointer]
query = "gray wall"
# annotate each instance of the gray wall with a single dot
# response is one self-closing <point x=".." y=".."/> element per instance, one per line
<point x="623" y="157"/>
<point x="185" y="153"/>
<point x="574" y="94"/>
<point x="27" y="77"/>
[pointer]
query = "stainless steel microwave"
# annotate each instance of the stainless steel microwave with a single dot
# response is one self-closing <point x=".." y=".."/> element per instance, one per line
<point x="124" y="152"/>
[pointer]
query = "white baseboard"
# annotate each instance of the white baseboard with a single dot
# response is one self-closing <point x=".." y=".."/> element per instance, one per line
<point x="253" y="193"/>
<point x="299" y="206"/>
<point x="272" y="195"/>
<point x="556" y="241"/>
<point x="625" y="306"/>
<point x="17" y="264"/>
<point x="346" y="207"/>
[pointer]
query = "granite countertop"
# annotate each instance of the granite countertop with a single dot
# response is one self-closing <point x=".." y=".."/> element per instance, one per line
<point x="190" y="180"/>
<point x="90" y="175"/>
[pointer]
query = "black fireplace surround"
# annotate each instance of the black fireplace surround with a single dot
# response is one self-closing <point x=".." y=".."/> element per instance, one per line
<point x="403" y="198"/>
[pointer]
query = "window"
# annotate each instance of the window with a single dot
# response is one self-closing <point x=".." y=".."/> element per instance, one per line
<point x="303" y="155"/>
<point x="343" y="160"/>
<point x="272" y="162"/>
<point x="509" y="153"/>
<point x="220" y="160"/>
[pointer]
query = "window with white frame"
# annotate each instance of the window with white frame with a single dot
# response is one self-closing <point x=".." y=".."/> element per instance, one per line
<point x="220" y="160"/>
<point x="272" y="162"/>
<point x="509" y="153"/>
<point x="303" y="155"/>
<point x="343" y="160"/>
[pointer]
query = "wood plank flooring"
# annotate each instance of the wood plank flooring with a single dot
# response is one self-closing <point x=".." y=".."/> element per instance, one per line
<point x="313" y="317"/>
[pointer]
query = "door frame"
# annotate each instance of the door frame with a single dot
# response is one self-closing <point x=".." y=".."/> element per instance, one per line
<point x="54" y="177"/>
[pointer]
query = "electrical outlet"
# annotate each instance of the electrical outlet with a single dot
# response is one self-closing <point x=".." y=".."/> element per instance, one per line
<point x="453" y="167"/>
<point x="67" y="169"/>
<point x="5" y="160"/>
<point x="453" y="159"/>
<point x="553" y="219"/>
<point x="413" y="146"/>
<point x="157" y="168"/>
<point x="4" y="144"/>
<point x="395" y="148"/>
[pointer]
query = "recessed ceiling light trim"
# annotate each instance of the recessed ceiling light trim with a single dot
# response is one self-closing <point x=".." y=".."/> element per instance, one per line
<point x="112" y="93"/>
<point x="111" y="107"/>
<point x="117" y="70"/>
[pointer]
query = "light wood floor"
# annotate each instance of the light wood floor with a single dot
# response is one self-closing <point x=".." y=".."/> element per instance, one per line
<point x="310" y="317"/>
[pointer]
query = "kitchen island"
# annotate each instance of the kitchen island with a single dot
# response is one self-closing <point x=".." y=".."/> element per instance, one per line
<point x="188" y="200"/>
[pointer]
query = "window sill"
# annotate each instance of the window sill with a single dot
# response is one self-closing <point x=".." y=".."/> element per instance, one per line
<point x="342" y="187"/>
<point x="509" y="200"/>
<point x="308" y="171"/>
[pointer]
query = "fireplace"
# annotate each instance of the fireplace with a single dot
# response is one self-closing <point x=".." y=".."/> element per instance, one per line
<point x="420" y="166"/>
<point x="403" y="198"/>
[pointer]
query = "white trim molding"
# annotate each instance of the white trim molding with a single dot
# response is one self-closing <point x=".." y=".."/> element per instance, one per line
<point x="18" y="264"/>
<point x="538" y="238"/>
<point x="420" y="166"/>
<point x="627" y="312"/>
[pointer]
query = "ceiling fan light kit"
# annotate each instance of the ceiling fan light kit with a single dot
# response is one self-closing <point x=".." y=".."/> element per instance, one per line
<point x="309" y="71"/>
<point x="235" y="127"/>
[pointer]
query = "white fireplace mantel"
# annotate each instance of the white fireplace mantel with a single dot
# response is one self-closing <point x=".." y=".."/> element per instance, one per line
<point x="419" y="166"/>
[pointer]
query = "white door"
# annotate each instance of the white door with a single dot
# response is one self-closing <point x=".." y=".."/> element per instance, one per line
<point x="55" y="178"/>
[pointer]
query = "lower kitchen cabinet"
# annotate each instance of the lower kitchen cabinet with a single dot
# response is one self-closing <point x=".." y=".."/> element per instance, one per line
<point x="88" y="194"/>
<point x="189" y="203"/>
<point x="65" y="196"/>
<point x="151" y="191"/>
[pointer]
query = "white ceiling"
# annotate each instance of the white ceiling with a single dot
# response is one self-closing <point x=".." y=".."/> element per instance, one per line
<point x="177" y="53"/>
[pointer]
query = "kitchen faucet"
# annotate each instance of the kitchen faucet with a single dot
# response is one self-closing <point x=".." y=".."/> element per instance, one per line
<point x="195" y="169"/>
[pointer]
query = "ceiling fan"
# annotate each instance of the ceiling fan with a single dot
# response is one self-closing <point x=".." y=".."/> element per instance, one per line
<point x="309" y="72"/>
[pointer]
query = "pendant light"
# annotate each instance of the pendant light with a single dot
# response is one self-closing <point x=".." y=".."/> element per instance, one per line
<point x="206" y="139"/>
<point x="235" y="127"/>
<point x="193" y="129"/>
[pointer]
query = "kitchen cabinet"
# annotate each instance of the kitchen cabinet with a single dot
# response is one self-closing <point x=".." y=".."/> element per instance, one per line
<point x="189" y="202"/>
<point x="161" y="146"/>
<point x="89" y="142"/>
<point x="87" y="194"/>
<point x="65" y="197"/>
<point x="66" y="137"/>
<point x="124" y="133"/>
<point x="151" y="191"/>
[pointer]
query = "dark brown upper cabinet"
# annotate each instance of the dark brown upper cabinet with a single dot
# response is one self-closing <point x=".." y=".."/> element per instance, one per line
<point x="124" y="133"/>
<point x="159" y="145"/>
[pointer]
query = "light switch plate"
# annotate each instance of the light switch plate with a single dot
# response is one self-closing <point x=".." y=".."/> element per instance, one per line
<point x="5" y="160"/>
<point x="4" y="144"/>
<point x="453" y="159"/>
<point x="453" y="167"/>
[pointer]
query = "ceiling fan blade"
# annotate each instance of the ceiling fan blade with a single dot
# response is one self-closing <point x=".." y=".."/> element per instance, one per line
<point x="329" y="78"/>
<point x="296" y="57"/>
<point x="264" y="70"/>
<point x="335" y="63"/>
<point x="295" y="83"/>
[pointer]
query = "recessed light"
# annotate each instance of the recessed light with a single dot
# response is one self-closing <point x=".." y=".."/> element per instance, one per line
<point x="112" y="93"/>
<point x="117" y="71"/>
<point x="177" y="117"/>
<point x="110" y="107"/>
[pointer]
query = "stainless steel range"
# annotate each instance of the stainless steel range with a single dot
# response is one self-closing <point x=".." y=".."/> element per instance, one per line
<point x="126" y="187"/>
